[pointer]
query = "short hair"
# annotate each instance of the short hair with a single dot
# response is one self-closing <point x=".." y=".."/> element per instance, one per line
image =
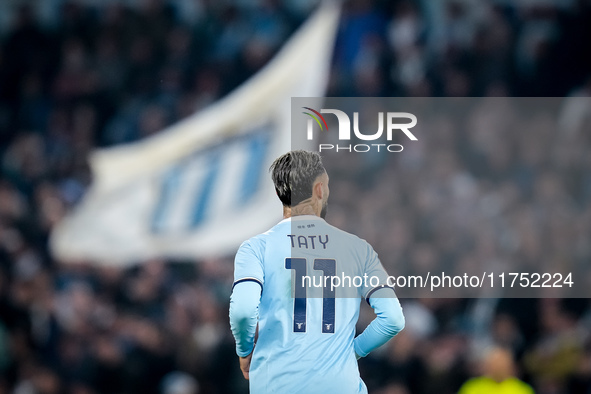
<point x="294" y="174"/>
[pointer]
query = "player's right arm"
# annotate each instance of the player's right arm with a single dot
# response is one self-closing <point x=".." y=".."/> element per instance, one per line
<point x="244" y="315"/>
<point x="245" y="299"/>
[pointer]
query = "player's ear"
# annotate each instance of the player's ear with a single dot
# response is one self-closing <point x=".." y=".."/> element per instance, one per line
<point x="318" y="191"/>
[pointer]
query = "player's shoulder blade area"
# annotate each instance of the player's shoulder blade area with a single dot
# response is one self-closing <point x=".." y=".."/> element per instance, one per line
<point x="315" y="234"/>
<point x="327" y="251"/>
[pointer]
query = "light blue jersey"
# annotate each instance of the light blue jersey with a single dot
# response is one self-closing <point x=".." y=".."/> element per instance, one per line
<point x="306" y="339"/>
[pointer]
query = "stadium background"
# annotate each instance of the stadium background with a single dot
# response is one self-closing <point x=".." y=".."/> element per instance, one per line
<point x="83" y="74"/>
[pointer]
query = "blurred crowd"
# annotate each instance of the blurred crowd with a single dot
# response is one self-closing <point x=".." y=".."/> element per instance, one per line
<point x="492" y="185"/>
<point x="75" y="75"/>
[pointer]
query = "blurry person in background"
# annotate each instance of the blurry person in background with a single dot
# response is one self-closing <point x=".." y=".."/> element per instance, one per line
<point x="498" y="376"/>
<point x="179" y="383"/>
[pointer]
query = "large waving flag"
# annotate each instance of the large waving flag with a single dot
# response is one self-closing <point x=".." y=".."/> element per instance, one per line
<point x="200" y="187"/>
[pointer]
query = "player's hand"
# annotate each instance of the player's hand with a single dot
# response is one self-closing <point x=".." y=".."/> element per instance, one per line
<point x="245" y="365"/>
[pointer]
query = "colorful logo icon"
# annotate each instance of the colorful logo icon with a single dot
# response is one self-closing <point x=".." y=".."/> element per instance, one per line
<point x="318" y="115"/>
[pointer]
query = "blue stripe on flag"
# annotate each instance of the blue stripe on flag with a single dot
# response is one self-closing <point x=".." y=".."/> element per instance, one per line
<point x="202" y="202"/>
<point x="168" y="190"/>
<point x="257" y="151"/>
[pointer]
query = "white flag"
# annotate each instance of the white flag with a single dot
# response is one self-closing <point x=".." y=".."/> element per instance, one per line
<point x="200" y="187"/>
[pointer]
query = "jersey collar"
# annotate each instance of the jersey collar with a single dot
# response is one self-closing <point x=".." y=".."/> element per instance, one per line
<point x="301" y="217"/>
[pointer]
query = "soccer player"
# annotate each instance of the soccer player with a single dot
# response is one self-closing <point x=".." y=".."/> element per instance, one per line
<point x="306" y="339"/>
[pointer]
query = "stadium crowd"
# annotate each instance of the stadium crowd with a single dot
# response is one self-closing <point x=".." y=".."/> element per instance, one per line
<point x="75" y="75"/>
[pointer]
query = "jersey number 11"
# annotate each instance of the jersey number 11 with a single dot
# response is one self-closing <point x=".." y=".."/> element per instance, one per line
<point x="328" y="268"/>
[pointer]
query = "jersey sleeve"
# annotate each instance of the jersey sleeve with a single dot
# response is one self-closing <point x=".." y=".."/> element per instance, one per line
<point x="248" y="264"/>
<point x="375" y="276"/>
<point x="244" y="314"/>
<point x="246" y="294"/>
<point x="389" y="321"/>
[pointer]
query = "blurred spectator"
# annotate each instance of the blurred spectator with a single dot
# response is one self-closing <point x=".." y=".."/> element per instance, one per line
<point x="498" y="373"/>
<point x="179" y="383"/>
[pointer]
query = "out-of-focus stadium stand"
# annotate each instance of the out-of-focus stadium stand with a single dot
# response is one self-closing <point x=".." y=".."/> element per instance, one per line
<point x="75" y="75"/>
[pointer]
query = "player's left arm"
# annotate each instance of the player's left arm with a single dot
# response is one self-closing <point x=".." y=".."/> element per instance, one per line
<point x="389" y="319"/>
